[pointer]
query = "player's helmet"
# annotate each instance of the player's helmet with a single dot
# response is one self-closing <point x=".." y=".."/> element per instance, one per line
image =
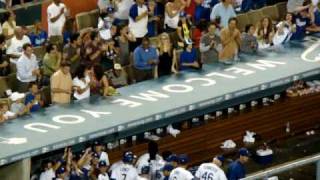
<point x="128" y="157"/>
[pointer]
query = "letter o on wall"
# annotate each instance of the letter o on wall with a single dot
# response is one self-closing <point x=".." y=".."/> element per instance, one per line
<point x="68" y="119"/>
<point x="177" y="88"/>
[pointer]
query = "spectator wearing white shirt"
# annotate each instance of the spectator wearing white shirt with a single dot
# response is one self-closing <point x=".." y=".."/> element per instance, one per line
<point x="138" y="21"/>
<point x="122" y="8"/>
<point x="295" y="6"/>
<point x="16" y="43"/>
<point x="27" y="68"/>
<point x="102" y="5"/>
<point x="81" y="83"/>
<point x="223" y="10"/>
<point x="57" y="13"/>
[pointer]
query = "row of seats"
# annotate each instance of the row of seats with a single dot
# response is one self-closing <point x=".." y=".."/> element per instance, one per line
<point x="87" y="19"/>
<point x="275" y="12"/>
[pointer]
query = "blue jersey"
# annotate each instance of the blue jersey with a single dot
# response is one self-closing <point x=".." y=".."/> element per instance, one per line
<point x="301" y="25"/>
<point x="38" y="39"/>
<point x="236" y="171"/>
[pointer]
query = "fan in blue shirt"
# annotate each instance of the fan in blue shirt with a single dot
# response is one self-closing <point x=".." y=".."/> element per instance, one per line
<point x="302" y="21"/>
<point x="33" y="98"/>
<point x="145" y="57"/>
<point x="188" y="58"/>
<point x="38" y="37"/>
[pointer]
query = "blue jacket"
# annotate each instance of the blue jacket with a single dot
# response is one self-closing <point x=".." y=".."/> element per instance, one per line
<point x="236" y="170"/>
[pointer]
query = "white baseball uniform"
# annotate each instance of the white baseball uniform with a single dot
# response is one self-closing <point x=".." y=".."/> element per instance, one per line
<point x="155" y="165"/>
<point x="103" y="176"/>
<point x="125" y="172"/>
<point x="180" y="173"/>
<point x="210" y="171"/>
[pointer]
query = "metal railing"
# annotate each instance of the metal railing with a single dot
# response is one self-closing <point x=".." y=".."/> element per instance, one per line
<point x="264" y="174"/>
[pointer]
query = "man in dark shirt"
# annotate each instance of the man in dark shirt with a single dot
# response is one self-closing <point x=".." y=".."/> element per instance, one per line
<point x="72" y="52"/>
<point x="4" y="61"/>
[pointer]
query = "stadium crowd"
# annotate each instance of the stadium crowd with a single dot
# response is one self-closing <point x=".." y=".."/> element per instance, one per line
<point x="118" y="52"/>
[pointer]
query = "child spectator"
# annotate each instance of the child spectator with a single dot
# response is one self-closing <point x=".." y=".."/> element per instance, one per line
<point x="7" y="114"/>
<point x="33" y="98"/>
<point x="17" y="105"/>
<point x="39" y="36"/>
<point x="188" y="58"/>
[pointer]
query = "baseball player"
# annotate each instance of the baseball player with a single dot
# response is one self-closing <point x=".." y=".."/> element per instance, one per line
<point x="145" y="173"/>
<point x="166" y="170"/>
<point x="103" y="156"/>
<point x="211" y="171"/>
<point x="125" y="171"/>
<point x="60" y="173"/>
<point x="103" y="171"/>
<point x="173" y="160"/>
<point x="236" y="169"/>
<point x="151" y="159"/>
<point x="181" y="173"/>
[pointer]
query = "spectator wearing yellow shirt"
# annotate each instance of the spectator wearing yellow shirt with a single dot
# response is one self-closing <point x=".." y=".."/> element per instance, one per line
<point x="61" y="85"/>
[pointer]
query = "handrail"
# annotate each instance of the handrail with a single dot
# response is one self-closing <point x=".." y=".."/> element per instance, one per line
<point x="283" y="167"/>
<point x="26" y="5"/>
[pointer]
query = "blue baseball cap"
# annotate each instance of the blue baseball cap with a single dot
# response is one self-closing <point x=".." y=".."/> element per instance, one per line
<point x="183" y="159"/>
<point x="173" y="158"/>
<point x="110" y="9"/>
<point x="167" y="167"/>
<point x="60" y="170"/>
<point x="102" y="164"/>
<point x="128" y="157"/>
<point x="220" y="158"/>
<point x="244" y="152"/>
